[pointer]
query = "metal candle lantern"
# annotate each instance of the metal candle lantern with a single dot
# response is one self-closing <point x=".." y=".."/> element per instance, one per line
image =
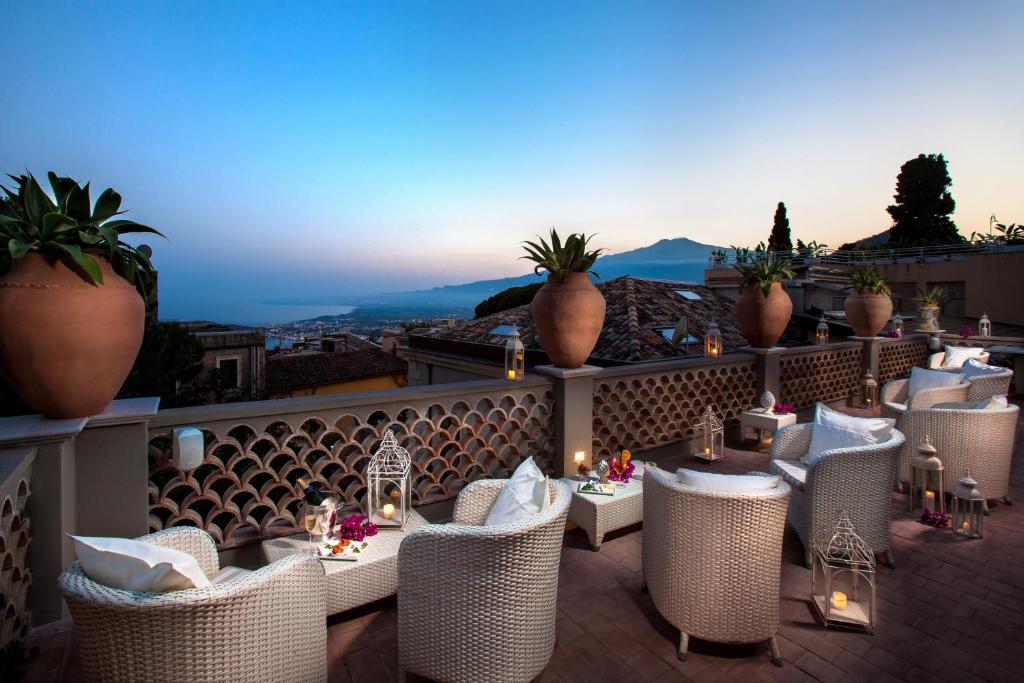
<point x="389" y="490"/>
<point x="843" y="579"/>
<point x="515" y="357"/>
<point x="927" y="484"/>
<point x="869" y="391"/>
<point x="897" y="325"/>
<point x="821" y="333"/>
<point x="984" y="326"/>
<point x="968" y="508"/>
<point x="713" y="341"/>
<point x="714" y="437"/>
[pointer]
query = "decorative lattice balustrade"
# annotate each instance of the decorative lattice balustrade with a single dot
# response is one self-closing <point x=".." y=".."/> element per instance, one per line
<point x="819" y="373"/>
<point x="16" y="468"/>
<point x="246" y="489"/>
<point x="646" y="406"/>
<point x="898" y="356"/>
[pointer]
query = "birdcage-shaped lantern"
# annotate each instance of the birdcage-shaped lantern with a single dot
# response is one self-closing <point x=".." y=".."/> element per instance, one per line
<point x="868" y="391"/>
<point x="984" y="326"/>
<point x="713" y="437"/>
<point x="843" y="579"/>
<point x="515" y="357"/>
<point x="968" y="508"/>
<point x="927" y="480"/>
<point x="897" y="325"/>
<point x="713" y="341"/>
<point x="821" y="332"/>
<point x="388" y="482"/>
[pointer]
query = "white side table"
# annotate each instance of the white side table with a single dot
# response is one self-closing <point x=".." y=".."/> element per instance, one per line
<point x="597" y="515"/>
<point x="762" y="422"/>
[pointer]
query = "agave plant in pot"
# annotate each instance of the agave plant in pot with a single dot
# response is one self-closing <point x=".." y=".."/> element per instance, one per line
<point x="72" y="296"/>
<point x="869" y="308"/>
<point x="929" y="304"/>
<point x="763" y="308"/>
<point x="568" y="311"/>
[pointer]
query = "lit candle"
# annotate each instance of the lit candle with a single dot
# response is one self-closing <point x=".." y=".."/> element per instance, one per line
<point x="578" y="457"/>
<point x="387" y="511"/>
<point x="964" y="525"/>
<point x="707" y="451"/>
<point x="838" y="600"/>
<point x="929" y="501"/>
<point x="511" y="374"/>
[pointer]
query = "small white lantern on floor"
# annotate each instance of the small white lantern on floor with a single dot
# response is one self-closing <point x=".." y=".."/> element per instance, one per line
<point x="926" y="480"/>
<point x="968" y="508"/>
<point x="821" y="332"/>
<point x="388" y="485"/>
<point x="897" y="325"/>
<point x="869" y="391"/>
<point x="713" y="341"/>
<point x="714" y="437"/>
<point x="984" y="326"/>
<point x="515" y="357"/>
<point x="843" y="579"/>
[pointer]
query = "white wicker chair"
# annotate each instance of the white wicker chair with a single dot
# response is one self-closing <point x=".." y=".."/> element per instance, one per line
<point x="981" y="440"/>
<point x="857" y="480"/>
<point x="712" y="560"/>
<point x="477" y="603"/>
<point x="981" y="387"/>
<point x="269" y="625"/>
<point x="894" y="397"/>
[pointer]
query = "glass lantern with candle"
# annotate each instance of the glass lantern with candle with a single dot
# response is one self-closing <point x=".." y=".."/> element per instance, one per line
<point x="713" y="341"/>
<point x="868" y="391"/>
<point x="843" y="579"/>
<point x="984" y="326"/>
<point x="821" y="332"/>
<point x="897" y="325"/>
<point x="927" y="483"/>
<point x="968" y="508"/>
<point x="515" y="357"/>
<point x="714" y="437"/>
<point x="388" y="485"/>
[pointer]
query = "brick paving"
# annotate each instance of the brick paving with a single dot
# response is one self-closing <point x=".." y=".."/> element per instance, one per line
<point x="952" y="609"/>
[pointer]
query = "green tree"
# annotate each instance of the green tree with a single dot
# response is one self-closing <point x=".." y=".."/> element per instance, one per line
<point x="170" y="359"/>
<point x="780" y="239"/>
<point x="506" y="299"/>
<point x="921" y="214"/>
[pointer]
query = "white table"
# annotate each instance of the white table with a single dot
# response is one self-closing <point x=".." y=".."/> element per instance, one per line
<point x="762" y="422"/>
<point x="597" y="515"/>
<point x="350" y="584"/>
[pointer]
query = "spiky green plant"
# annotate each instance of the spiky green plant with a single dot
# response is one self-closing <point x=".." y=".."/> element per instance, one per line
<point x="560" y="258"/>
<point x="869" y="281"/>
<point x="930" y="298"/>
<point x="70" y="228"/>
<point x="764" y="272"/>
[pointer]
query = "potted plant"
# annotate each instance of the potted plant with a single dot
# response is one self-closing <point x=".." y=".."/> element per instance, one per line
<point x="763" y="308"/>
<point x="72" y="296"/>
<point x="568" y="311"/>
<point x="929" y="303"/>
<point x="869" y="308"/>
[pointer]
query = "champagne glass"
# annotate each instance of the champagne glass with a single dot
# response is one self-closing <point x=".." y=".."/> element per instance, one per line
<point x="309" y="515"/>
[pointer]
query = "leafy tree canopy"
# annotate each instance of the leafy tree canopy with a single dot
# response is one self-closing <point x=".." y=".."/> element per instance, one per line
<point x="921" y="214"/>
<point x="504" y="300"/>
<point x="780" y="239"/>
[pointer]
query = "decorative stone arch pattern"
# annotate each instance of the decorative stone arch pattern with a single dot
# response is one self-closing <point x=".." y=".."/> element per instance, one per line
<point x="647" y="410"/>
<point x="246" y="488"/>
<point x="15" y="578"/>
<point x="819" y="375"/>
<point x="896" y="358"/>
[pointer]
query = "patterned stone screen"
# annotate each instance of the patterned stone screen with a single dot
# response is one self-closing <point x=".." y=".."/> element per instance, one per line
<point x="14" y="541"/>
<point x="246" y="488"/>
<point x="640" y="408"/>
<point x="896" y="358"/>
<point x="829" y="374"/>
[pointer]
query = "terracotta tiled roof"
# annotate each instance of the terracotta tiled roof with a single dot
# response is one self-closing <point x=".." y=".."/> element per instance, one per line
<point x="288" y="372"/>
<point x="637" y="310"/>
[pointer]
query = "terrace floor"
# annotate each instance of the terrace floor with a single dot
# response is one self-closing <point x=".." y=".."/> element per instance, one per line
<point x="951" y="610"/>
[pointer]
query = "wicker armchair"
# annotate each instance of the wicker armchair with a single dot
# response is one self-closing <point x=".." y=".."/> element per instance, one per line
<point x="712" y="560"/>
<point x="982" y="386"/>
<point x="269" y="625"/>
<point x="935" y="360"/>
<point x="857" y="480"/>
<point x="894" y="397"/>
<point x="477" y="603"/>
<point x="981" y="440"/>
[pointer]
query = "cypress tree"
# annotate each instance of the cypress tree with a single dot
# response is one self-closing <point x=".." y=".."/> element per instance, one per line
<point x="780" y="239"/>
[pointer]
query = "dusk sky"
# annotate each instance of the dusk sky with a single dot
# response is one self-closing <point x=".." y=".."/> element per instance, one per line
<point x="313" y="151"/>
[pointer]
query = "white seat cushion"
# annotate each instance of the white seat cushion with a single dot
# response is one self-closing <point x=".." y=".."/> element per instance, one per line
<point x="897" y="407"/>
<point x="793" y="472"/>
<point x="525" y="494"/>
<point x="974" y="368"/>
<point x="713" y="481"/>
<point x="921" y="379"/>
<point x="956" y="356"/>
<point x="138" y="566"/>
<point x="993" y="403"/>
<point x="833" y="429"/>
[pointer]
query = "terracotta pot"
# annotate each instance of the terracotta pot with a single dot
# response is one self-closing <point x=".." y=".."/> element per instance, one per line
<point x="66" y="344"/>
<point x="569" y="316"/>
<point x="763" y="319"/>
<point x="868" y="313"/>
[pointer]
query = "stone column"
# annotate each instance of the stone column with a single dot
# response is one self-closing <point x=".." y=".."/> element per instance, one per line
<point x="869" y="355"/>
<point x="574" y="414"/>
<point x="766" y="367"/>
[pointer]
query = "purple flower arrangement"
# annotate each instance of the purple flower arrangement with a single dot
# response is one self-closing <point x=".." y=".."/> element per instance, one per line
<point x="967" y="331"/>
<point x="356" y="528"/>
<point x="785" y="408"/>
<point x="892" y="334"/>
<point x="621" y="470"/>
<point x="939" y="520"/>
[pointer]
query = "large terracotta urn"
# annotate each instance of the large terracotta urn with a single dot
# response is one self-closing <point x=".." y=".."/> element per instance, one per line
<point x="763" y="319"/>
<point x="868" y="313"/>
<point x="568" y="316"/>
<point x="67" y="344"/>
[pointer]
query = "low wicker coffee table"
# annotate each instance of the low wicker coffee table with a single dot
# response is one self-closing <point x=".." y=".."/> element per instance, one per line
<point x="597" y="515"/>
<point x="350" y="584"/>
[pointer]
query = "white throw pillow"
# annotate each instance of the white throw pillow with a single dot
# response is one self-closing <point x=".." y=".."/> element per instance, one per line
<point x="921" y="379"/>
<point x="993" y="403"/>
<point x="833" y="429"/>
<point x="712" y="481"/>
<point x="138" y="566"/>
<point x="524" y="494"/>
<point x="956" y="356"/>
<point x="975" y="368"/>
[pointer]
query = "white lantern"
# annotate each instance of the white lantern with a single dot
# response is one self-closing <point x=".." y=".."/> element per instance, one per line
<point x="388" y="485"/>
<point x="515" y="358"/>
<point x="821" y="333"/>
<point x="869" y="391"/>
<point x="713" y="341"/>
<point x="927" y="486"/>
<point x="968" y="508"/>
<point x="714" y="437"/>
<point x="897" y="325"/>
<point x="984" y="326"/>
<point x="843" y="579"/>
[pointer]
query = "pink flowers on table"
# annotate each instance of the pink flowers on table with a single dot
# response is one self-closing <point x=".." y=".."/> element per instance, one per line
<point x="892" y="334"/>
<point x="785" y="408"/>
<point x="939" y="520"/>
<point x="967" y="331"/>
<point x="356" y="527"/>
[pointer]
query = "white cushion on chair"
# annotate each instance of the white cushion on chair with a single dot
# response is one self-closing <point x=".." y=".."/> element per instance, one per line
<point x="793" y="471"/>
<point x="138" y="566"/>
<point x="974" y="368"/>
<point x="993" y="403"/>
<point x="524" y="494"/>
<point x="921" y="379"/>
<point x="956" y="356"/>
<point x="712" y="481"/>
<point x="833" y="429"/>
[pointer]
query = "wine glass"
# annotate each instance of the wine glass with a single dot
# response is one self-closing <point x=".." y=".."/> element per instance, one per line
<point x="309" y="514"/>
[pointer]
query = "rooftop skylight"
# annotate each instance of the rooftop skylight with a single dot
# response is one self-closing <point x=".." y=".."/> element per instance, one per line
<point x="503" y="330"/>
<point x="688" y="294"/>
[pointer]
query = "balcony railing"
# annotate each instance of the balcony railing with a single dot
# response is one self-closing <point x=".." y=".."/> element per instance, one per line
<point x="871" y="256"/>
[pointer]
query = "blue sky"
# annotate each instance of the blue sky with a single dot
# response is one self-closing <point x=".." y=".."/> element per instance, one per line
<point x="313" y="151"/>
